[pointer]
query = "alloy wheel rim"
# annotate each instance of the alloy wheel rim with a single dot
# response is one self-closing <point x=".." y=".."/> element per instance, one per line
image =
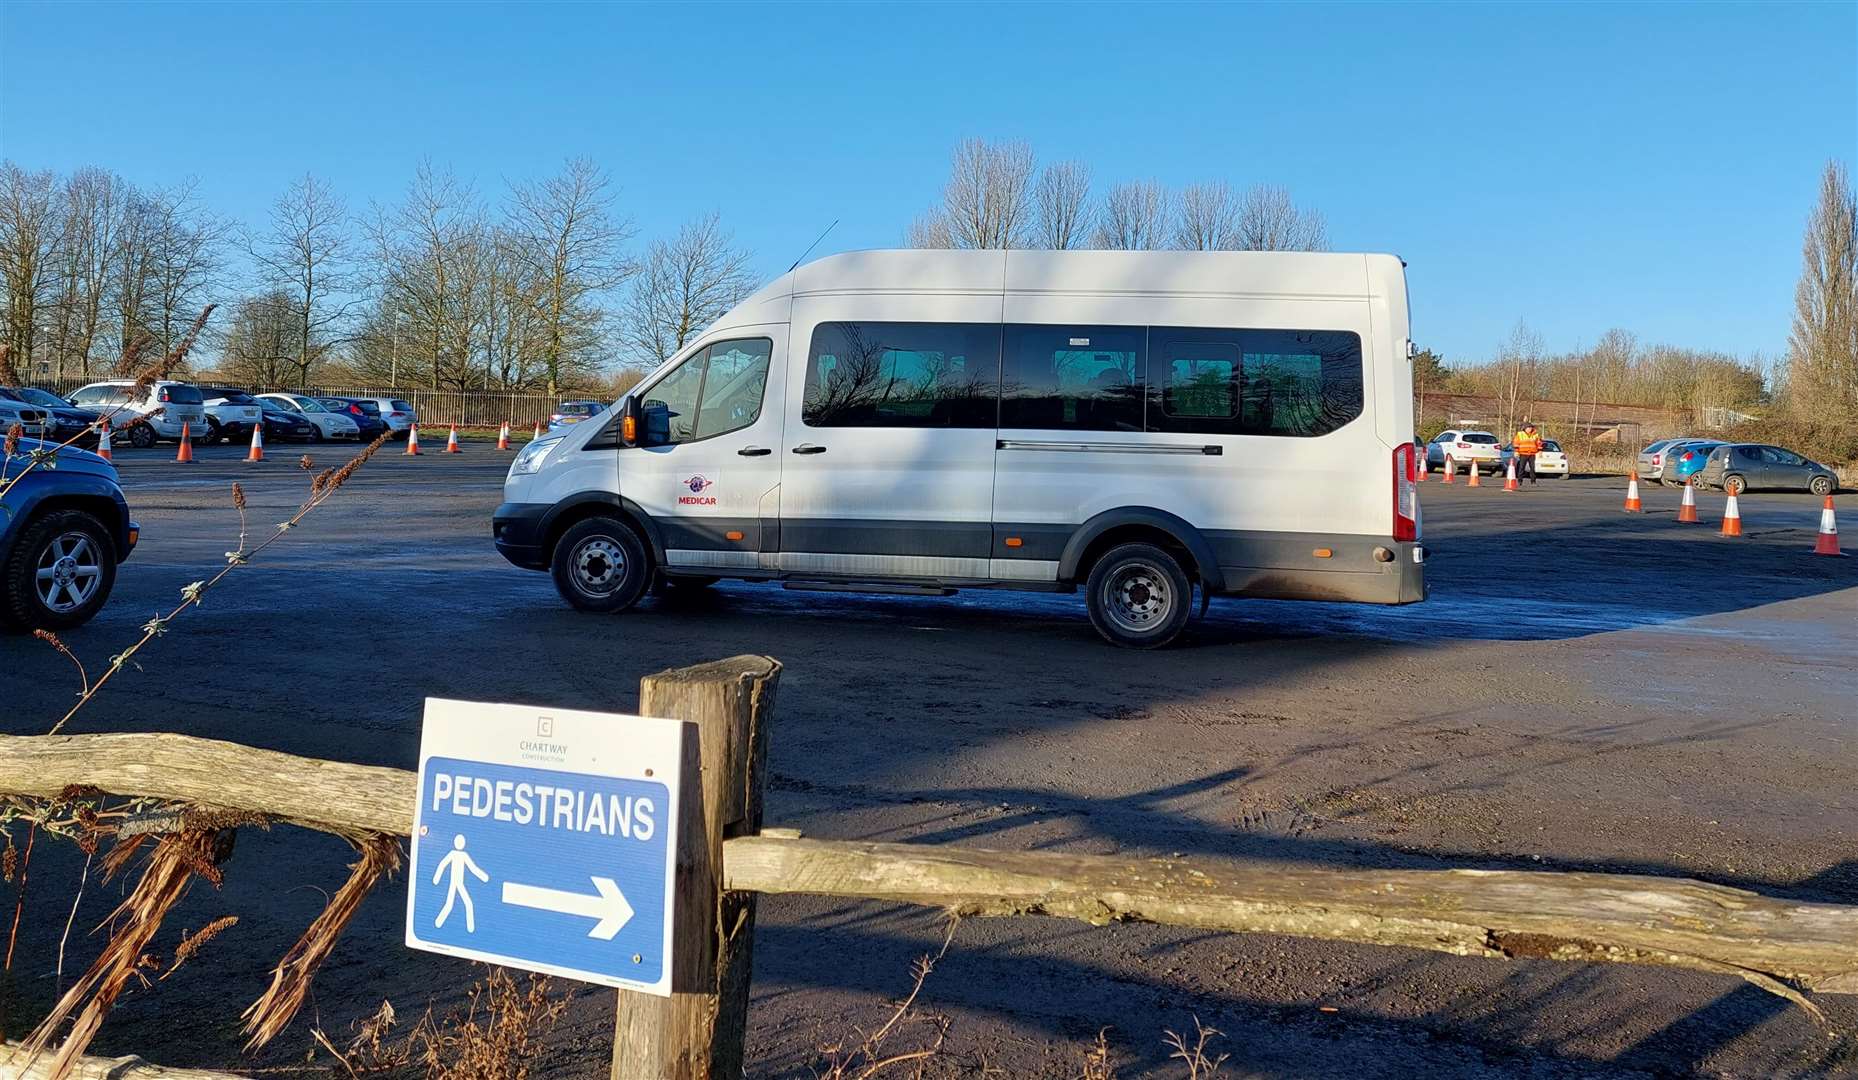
<point x="69" y="572"/>
<point x="1138" y="598"/>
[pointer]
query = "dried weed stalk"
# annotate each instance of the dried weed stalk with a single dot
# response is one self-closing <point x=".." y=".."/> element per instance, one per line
<point x="1200" y="1065"/>
<point x="177" y="859"/>
<point x="290" y="980"/>
<point x="869" y="1055"/>
<point x="1097" y="1064"/>
<point x="495" y="1037"/>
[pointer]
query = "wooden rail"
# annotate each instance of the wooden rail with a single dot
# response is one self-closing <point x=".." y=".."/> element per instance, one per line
<point x="1488" y="913"/>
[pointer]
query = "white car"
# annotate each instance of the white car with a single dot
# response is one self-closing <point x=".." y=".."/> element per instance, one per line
<point x="329" y="425"/>
<point x="1551" y="460"/>
<point x="164" y="411"/>
<point x="1463" y="447"/>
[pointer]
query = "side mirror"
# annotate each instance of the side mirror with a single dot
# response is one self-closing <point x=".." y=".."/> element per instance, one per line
<point x="657" y="423"/>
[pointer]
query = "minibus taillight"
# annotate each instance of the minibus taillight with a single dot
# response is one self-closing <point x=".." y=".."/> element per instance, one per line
<point x="1406" y="493"/>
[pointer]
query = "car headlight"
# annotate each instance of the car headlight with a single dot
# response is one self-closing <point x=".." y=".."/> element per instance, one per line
<point x="530" y="459"/>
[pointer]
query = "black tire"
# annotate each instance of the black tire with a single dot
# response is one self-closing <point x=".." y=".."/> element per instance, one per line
<point x="1734" y="484"/>
<point x="85" y="545"/>
<point x="600" y="565"/>
<point x="316" y="433"/>
<point x="142" y="436"/>
<point x="1138" y="596"/>
<point x="214" y="433"/>
<point x="1821" y="485"/>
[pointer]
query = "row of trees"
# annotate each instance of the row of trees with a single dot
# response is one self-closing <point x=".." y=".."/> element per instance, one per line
<point x="536" y="289"/>
<point x="998" y="197"/>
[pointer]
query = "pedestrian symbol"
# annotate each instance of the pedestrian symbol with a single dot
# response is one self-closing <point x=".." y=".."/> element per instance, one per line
<point x="546" y="840"/>
<point x="458" y="862"/>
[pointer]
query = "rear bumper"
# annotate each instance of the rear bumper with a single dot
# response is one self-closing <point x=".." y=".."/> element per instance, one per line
<point x="1361" y="579"/>
<point x="517" y="529"/>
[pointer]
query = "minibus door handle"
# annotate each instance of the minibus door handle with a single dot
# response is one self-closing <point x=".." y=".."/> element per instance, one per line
<point x="809" y="448"/>
<point x="754" y="451"/>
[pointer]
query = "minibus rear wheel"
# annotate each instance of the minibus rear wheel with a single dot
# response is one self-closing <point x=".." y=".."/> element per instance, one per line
<point x="600" y="565"/>
<point x="1139" y="597"/>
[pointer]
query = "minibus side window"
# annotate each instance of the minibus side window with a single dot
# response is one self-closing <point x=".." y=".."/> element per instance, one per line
<point x="1072" y="378"/>
<point x="1295" y="383"/>
<point x="871" y="374"/>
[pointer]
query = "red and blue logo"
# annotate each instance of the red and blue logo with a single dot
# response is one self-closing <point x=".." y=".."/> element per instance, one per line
<point x="697" y="484"/>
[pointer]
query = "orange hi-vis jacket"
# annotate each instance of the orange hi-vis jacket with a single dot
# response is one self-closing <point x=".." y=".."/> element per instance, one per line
<point x="1526" y="443"/>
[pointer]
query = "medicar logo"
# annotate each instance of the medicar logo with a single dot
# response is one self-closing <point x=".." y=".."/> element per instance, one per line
<point x="697" y="485"/>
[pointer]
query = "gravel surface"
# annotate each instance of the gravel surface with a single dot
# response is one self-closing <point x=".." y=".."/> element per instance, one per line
<point x="1586" y="689"/>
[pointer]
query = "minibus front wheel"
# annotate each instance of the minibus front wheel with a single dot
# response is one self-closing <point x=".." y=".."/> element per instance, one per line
<point x="600" y="564"/>
<point x="1139" y="597"/>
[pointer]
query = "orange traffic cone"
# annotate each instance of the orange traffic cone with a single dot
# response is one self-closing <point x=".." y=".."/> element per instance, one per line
<point x="503" y="436"/>
<point x="185" y="455"/>
<point x="1633" y="505"/>
<point x="1509" y="476"/>
<point x="103" y="442"/>
<point x="1687" y="510"/>
<point x="257" y="452"/>
<point x="1474" y="481"/>
<point x="1451" y="470"/>
<point x="412" y="439"/>
<point x="1828" y="543"/>
<point x="1419" y="469"/>
<point x="451" y="444"/>
<point x="538" y="429"/>
<point x="1732" y="517"/>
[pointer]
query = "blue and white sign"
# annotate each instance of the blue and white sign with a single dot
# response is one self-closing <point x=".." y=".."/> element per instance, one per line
<point x="546" y="839"/>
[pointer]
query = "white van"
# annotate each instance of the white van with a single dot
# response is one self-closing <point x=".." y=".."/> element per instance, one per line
<point x="1138" y="424"/>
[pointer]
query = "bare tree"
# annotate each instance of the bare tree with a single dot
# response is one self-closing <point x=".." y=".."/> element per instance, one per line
<point x="1269" y="221"/>
<point x="1062" y="202"/>
<point x="1517" y="360"/>
<point x="683" y="287"/>
<point x="29" y="240"/>
<point x="1208" y="218"/>
<point x="1822" y="367"/>
<point x="260" y="349"/>
<point x="571" y="242"/>
<point x="1134" y="217"/>
<point x="986" y="202"/>
<point x="93" y="210"/>
<point x="184" y="255"/>
<point x="426" y="250"/>
<point x="306" y="255"/>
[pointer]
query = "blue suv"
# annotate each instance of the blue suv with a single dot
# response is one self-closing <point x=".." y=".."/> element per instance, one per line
<point x="64" y="527"/>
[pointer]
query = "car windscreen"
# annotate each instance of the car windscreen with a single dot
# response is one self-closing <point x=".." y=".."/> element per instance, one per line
<point x="400" y="406"/>
<point x="1551" y="446"/>
<point x="181" y="394"/>
<point x="1478" y="437"/>
<point x="230" y="397"/>
<point x="11" y="395"/>
<point x="579" y="408"/>
<point x="372" y="408"/>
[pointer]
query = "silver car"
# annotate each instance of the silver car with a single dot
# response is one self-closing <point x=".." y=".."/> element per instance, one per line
<point x="1652" y="458"/>
<point x="398" y="414"/>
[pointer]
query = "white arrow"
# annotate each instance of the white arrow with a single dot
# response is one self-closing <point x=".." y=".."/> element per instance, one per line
<point x="609" y="907"/>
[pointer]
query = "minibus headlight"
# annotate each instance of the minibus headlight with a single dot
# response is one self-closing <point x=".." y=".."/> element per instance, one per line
<point x="530" y="460"/>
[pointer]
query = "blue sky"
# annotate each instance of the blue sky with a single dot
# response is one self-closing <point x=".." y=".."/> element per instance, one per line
<point x="1576" y="166"/>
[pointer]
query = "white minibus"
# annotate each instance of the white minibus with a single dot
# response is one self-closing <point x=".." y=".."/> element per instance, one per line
<point x="1135" y="424"/>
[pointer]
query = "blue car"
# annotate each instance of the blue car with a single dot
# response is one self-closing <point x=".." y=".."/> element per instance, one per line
<point x="64" y="528"/>
<point x="1682" y="460"/>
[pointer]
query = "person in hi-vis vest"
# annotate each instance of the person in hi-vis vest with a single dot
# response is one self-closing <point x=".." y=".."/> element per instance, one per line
<point x="1527" y="444"/>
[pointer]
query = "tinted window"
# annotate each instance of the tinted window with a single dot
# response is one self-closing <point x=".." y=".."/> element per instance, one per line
<point x="1253" y="382"/>
<point x="181" y="394"/>
<point x="715" y="391"/>
<point x="1480" y="438"/>
<point x="400" y="406"/>
<point x="1078" y="378"/>
<point x="943" y="375"/>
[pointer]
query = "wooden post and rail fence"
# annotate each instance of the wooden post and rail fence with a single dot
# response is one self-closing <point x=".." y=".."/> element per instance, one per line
<point x="725" y="859"/>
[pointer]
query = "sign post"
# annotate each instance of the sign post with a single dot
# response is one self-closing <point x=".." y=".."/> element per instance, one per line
<point x="546" y="839"/>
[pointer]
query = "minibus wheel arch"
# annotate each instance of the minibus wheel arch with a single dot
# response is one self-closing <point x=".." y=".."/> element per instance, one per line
<point x="575" y="510"/>
<point x="1140" y="525"/>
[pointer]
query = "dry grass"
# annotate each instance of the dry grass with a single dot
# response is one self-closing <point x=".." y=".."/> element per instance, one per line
<point x="496" y="1036"/>
<point x="1200" y="1065"/>
<point x="918" y="1036"/>
<point x="1097" y="1064"/>
<point x="290" y="980"/>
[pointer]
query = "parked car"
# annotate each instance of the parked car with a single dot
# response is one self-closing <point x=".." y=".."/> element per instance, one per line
<point x="231" y="413"/>
<point x="329" y="425"/>
<point x="1463" y="447"/>
<point x="62" y="533"/>
<point x="365" y="412"/>
<point x="398" y="415"/>
<point x="62" y="421"/>
<point x="282" y="426"/>
<point x="1551" y="460"/>
<point x="573" y="412"/>
<point x="1682" y="460"/>
<point x="1739" y="467"/>
<point x="1651" y="459"/>
<point x="30" y="418"/>
<point x="163" y="411"/>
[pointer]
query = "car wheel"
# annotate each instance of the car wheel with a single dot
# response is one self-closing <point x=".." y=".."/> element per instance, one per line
<point x="141" y="436"/>
<point x="1139" y="597"/>
<point x="1821" y="485"/>
<point x="600" y="565"/>
<point x="214" y="432"/>
<point x="1734" y="485"/>
<point x="316" y="433"/>
<point x="59" y="573"/>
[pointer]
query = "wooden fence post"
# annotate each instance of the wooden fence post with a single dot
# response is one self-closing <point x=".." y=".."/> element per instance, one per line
<point x="698" y="1032"/>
